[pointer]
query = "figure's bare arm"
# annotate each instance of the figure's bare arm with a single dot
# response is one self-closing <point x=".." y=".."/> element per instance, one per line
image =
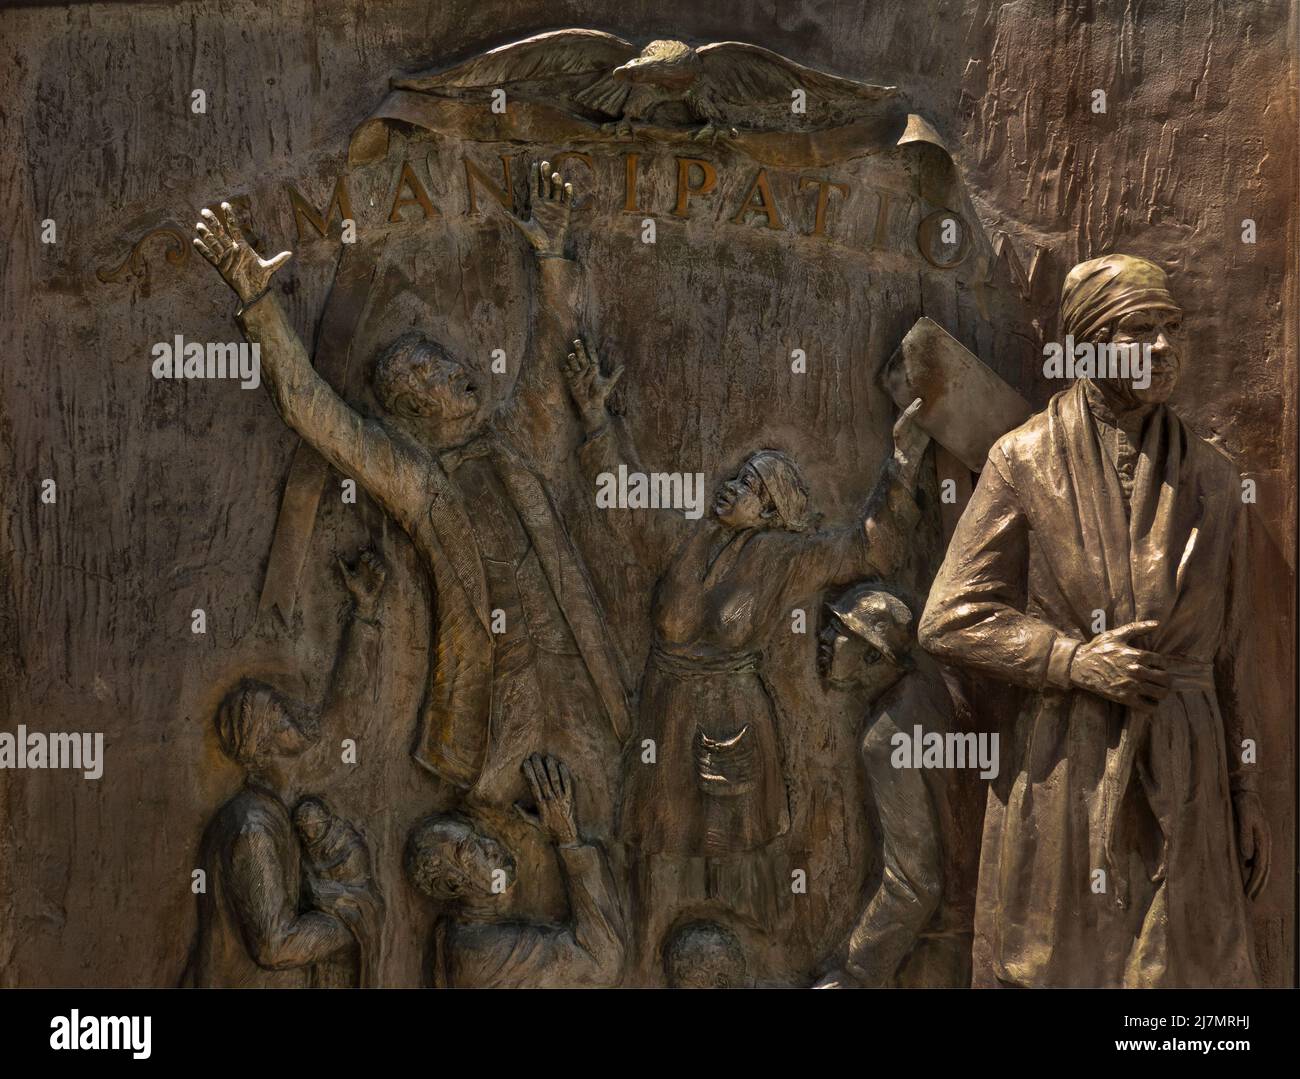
<point x="653" y="533"/>
<point x="537" y="407"/>
<point x="358" y="447"/>
<point x="353" y="681"/>
<point x="592" y="943"/>
<point x="891" y="514"/>
<point x="876" y="544"/>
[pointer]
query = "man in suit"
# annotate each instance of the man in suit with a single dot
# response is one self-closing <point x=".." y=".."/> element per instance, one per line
<point x="522" y="659"/>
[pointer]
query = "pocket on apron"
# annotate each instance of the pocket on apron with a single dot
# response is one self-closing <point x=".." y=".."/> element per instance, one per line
<point x="726" y="767"/>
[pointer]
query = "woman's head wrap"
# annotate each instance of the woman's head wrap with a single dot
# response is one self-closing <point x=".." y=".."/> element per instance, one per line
<point x="785" y="486"/>
<point x="247" y="715"/>
<point x="1099" y="291"/>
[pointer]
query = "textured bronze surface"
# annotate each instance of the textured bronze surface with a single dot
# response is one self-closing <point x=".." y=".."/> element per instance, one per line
<point x="652" y="547"/>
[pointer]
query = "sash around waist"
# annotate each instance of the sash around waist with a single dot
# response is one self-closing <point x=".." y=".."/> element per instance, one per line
<point x="688" y="666"/>
<point x="1187" y="675"/>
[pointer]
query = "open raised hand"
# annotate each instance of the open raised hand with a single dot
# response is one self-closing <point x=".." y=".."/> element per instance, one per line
<point x="364" y="580"/>
<point x="589" y="388"/>
<point x="222" y="243"/>
<point x="910" y="442"/>
<point x="550" y="205"/>
<point x="552" y="787"/>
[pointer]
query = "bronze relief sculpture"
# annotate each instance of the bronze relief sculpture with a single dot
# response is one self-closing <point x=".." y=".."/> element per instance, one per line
<point x="256" y="927"/>
<point x="1088" y="567"/>
<point x="719" y="86"/>
<point x="712" y="786"/>
<point x="449" y="861"/>
<point x="775" y="566"/>
<point x="915" y="929"/>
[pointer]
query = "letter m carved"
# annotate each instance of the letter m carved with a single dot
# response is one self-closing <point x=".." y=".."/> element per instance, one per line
<point x="1004" y="252"/>
<point x="305" y="211"/>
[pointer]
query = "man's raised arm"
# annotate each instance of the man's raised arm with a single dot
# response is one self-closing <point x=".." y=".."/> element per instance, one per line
<point x="358" y="447"/>
<point x="589" y="950"/>
<point x="537" y="410"/>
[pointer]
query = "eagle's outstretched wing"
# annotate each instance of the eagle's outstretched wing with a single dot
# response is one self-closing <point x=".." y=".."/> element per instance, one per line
<point x="606" y="94"/>
<point x="553" y="55"/>
<point x="751" y="75"/>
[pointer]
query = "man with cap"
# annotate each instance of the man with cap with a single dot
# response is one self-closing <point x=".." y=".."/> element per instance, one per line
<point x="915" y="928"/>
<point x="1096" y="567"/>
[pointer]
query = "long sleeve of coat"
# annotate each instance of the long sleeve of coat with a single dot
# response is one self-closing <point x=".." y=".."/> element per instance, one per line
<point x="976" y="611"/>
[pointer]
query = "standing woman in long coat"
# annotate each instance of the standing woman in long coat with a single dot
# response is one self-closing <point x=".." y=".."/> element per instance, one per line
<point x="1128" y="836"/>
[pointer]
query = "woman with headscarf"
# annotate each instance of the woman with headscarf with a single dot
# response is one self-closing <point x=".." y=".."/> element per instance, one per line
<point x="257" y="925"/>
<point x="1124" y="837"/>
<point x="716" y="787"/>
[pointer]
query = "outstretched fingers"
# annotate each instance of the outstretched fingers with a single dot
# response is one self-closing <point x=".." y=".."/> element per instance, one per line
<point x="530" y="772"/>
<point x="909" y="414"/>
<point x="547" y="183"/>
<point x="581" y="367"/>
<point x="206" y="249"/>
<point x="211" y="238"/>
<point x="572" y="368"/>
<point x="213" y="227"/>
<point x="233" y="230"/>
<point x="555" y="776"/>
<point x="544" y="780"/>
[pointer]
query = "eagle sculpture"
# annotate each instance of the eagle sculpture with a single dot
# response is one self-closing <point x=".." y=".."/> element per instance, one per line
<point x="720" y="87"/>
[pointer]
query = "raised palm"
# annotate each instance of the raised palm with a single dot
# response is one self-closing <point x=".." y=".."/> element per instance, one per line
<point x="550" y="205"/>
<point x="221" y="241"/>
<point x="364" y="579"/>
<point x="588" y="386"/>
